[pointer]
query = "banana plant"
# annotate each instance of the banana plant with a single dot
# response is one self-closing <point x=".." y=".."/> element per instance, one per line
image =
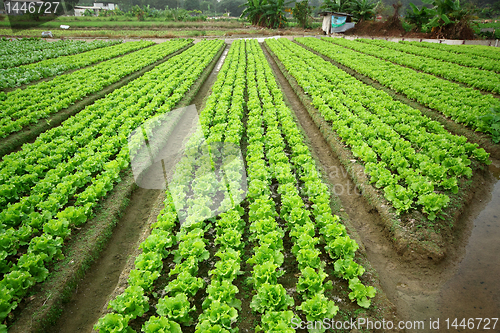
<point x="419" y="17"/>
<point x="265" y="13"/>
<point x="446" y="12"/>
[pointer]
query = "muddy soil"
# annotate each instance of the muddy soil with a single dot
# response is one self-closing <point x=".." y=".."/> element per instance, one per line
<point x="464" y="285"/>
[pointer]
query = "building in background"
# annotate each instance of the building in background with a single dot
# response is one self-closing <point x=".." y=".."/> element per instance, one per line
<point x="336" y="22"/>
<point x="96" y="8"/>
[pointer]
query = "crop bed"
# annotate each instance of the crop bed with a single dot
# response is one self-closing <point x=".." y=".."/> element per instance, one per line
<point x="26" y="51"/>
<point x="22" y="107"/>
<point x="17" y="76"/>
<point x="462" y="104"/>
<point x="249" y="234"/>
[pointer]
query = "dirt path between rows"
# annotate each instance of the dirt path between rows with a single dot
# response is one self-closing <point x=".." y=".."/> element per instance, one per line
<point x="415" y="287"/>
<point x="84" y="307"/>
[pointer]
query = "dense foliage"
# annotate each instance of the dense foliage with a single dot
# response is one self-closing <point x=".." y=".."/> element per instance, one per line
<point x="22" y="107"/>
<point x="25" y="51"/>
<point x="265" y="13"/>
<point x="302" y="13"/>
<point x="13" y="76"/>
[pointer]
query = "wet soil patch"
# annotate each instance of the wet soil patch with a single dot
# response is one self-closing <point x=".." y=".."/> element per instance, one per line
<point x="102" y="276"/>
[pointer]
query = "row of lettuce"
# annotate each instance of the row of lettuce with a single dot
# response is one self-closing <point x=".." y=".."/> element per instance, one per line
<point x="21" y="52"/>
<point x="23" y="107"/>
<point x="413" y="159"/>
<point x="474" y="51"/>
<point x="421" y="49"/>
<point x="17" y="76"/>
<point x="464" y="105"/>
<point x="65" y="173"/>
<point x="302" y="214"/>
<point x="473" y="77"/>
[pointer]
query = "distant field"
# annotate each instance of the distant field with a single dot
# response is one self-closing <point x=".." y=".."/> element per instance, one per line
<point x="127" y="22"/>
<point x="495" y="25"/>
<point x="168" y="33"/>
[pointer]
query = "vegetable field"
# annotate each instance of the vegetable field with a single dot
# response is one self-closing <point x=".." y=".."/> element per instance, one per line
<point x="245" y="230"/>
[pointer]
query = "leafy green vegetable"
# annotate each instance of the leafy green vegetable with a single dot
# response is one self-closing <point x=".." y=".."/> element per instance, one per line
<point x="132" y="303"/>
<point x="318" y="308"/>
<point x="360" y="293"/>
<point x="161" y="325"/>
<point x="176" y="308"/>
<point x="113" y="323"/>
<point x="271" y="298"/>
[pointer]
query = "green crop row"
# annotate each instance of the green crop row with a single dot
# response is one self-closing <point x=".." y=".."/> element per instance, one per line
<point x="283" y="135"/>
<point x="22" y="45"/>
<point x="475" y="61"/>
<point x="462" y="104"/>
<point x="23" y="54"/>
<point x="23" y="107"/>
<point x="471" y="50"/>
<point x="476" y="78"/>
<point x="16" y="76"/>
<point x="191" y="175"/>
<point x="73" y="187"/>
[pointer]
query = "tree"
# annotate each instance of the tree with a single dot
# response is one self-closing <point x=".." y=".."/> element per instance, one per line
<point x="138" y="12"/>
<point x="302" y="12"/>
<point x="192" y="4"/>
<point x="362" y="10"/>
<point x="419" y="17"/>
<point x="336" y="5"/>
<point x="234" y="7"/>
<point x="448" y="19"/>
<point x="447" y="12"/>
<point x="265" y="13"/>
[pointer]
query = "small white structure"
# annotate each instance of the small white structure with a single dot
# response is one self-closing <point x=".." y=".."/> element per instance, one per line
<point x="96" y="8"/>
<point x="336" y="22"/>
